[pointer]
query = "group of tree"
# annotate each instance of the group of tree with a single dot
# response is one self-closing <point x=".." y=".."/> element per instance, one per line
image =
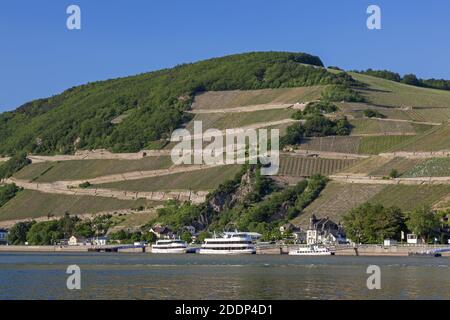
<point x="372" y="223"/>
<point x="50" y="232"/>
<point x="14" y="164"/>
<point x="7" y="192"/>
<point x="130" y="237"/>
<point x="155" y="103"/>
<point x="315" y="108"/>
<point x="410" y="79"/>
<point x="315" y="125"/>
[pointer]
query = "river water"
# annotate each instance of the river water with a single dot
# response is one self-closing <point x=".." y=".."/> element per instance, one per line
<point x="193" y="276"/>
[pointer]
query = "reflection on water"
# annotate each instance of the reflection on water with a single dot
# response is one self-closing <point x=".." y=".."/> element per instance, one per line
<point x="146" y="276"/>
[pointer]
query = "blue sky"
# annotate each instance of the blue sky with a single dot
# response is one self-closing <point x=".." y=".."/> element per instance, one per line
<point x="39" y="57"/>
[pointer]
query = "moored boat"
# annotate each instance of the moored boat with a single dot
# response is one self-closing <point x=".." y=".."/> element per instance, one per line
<point x="314" y="250"/>
<point x="170" y="246"/>
<point x="229" y="243"/>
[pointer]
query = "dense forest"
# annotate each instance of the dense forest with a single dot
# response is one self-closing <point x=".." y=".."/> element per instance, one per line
<point x="150" y="105"/>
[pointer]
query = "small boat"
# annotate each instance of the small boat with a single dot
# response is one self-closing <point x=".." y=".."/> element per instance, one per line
<point x="170" y="246"/>
<point x="229" y="243"/>
<point x="313" y="250"/>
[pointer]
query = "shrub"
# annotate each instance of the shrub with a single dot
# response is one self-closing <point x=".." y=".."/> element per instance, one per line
<point x="85" y="185"/>
<point x="337" y="93"/>
<point x="370" y="113"/>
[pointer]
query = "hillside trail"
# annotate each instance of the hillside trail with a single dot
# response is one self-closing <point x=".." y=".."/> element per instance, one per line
<point x="250" y="108"/>
<point x="363" y="179"/>
<point x="58" y="188"/>
<point x="408" y="121"/>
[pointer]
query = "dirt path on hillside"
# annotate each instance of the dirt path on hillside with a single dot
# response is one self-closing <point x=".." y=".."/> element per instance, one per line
<point x="251" y="108"/>
<point x="383" y="134"/>
<point x="416" y="155"/>
<point x="407" y="121"/>
<point x="100" y="155"/>
<point x="325" y="154"/>
<point x="59" y="188"/>
<point x="137" y="175"/>
<point x="356" y="178"/>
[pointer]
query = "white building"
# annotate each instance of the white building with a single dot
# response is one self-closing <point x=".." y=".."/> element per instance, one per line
<point x="389" y="242"/>
<point x="412" y="238"/>
<point x="74" y="241"/>
<point x="99" y="241"/>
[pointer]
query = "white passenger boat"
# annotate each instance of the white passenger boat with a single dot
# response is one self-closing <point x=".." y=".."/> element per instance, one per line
<point x="229" y="243"/>
<point x="170" y="246"/>
<point x="314" y="250"/>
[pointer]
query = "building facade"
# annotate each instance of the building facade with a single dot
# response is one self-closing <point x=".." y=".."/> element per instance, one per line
<point x="324" y="231"/>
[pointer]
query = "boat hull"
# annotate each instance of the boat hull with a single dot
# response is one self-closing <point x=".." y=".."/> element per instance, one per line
<point x="296" y="253"/>
<point x="227" y="252"/>
<point x="175" y="251"/>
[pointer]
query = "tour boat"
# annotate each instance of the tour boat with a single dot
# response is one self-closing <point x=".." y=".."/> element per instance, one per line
<point x="229" y="243"/>
<point x="170" y="246"/>
<point x="314" y="250"/>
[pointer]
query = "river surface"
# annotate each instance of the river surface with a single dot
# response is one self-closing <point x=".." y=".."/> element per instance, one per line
<point x="193" y="276"/>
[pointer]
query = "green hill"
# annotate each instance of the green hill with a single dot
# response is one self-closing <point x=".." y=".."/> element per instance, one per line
<point x="263" y="88"/>
<point x="151" y="104"/>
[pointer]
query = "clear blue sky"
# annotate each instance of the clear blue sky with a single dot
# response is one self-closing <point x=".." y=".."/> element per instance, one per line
<point x="39" y="57"/>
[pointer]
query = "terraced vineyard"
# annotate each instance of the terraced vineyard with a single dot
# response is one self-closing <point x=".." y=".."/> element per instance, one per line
<point x="238" y="98"/>
<point x="86" y="169"/>
<point x="402" y="165"/>
<point x="223" y="121"/>
<point x="34" y="204"/>
<point x="429" y="114"/>
<point x="366" y="166"/>
<point x="341" y="144"/>
<point x="389" y="93"/>
<point x="435" y="139"/>
<point x="207" y="179"/>
<point x="379" y="144"/>
<point x="373" y="126"/>
<point x="409" y="197"/>
<point x="381" y="166"/>
<point x="436" y="167"/>
<point x="335" y="200"/>
<point x="356" y="110"/>
<point x="304" y="167"/>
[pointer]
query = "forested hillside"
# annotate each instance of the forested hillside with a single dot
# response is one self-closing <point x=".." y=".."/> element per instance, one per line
<point x="128" y="114"/>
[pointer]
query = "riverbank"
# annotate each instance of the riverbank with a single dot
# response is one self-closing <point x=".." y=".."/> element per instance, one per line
<point x="363" y="250"/>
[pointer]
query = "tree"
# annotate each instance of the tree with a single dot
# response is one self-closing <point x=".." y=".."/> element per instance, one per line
<point x="14" y="164"/>
<point x="7" y="192"/>
<point x="186" y="236"/>
<point x="423" y="222"/>
<point x="18" y="233"/>
<point x="44" y="233"/>
<point x="202" y="236"/>
<point x="150" y="237"/>
<point x="393" y="174"/>
<point x="411" y="79"/>
<point x="371" y="223"/>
